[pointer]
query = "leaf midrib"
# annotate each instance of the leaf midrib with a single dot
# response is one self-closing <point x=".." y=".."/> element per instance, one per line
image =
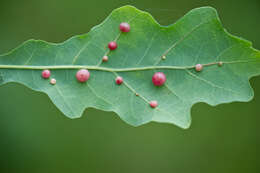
<point x="99" y="68"/>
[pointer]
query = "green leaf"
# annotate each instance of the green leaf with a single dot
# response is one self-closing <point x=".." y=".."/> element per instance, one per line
<point x="198" y="37"/>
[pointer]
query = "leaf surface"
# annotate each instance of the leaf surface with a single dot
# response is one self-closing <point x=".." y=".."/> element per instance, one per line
<point x="197" y="38"/>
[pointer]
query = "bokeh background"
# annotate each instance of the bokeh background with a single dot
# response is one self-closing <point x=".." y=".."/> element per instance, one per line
<point x="36" y="138"/>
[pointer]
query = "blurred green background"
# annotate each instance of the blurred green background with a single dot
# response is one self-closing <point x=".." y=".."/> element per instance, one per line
<point x="37" y="138"/>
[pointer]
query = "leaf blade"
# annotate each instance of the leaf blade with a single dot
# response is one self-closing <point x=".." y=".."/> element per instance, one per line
<point x="198" y="37"/>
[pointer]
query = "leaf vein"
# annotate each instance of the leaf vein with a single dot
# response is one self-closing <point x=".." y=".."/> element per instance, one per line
<point x="209" y="82"/>
<point x="94" y="92"/>
<point x="64" y="99"/>
<point x="181" y="40"/>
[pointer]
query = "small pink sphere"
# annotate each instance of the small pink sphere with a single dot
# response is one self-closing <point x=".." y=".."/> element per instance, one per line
<point x="119" y="80"/>
<point x="124" y="27"/>
<point x="153" y="104"/>
<point x="159" y="78"/>
<point x="82" y="75"/>
<point x="198" y="67"/>
<point x="105" y="58"/>
<point x="112" y="45"/>
<point x="46" y="74"/>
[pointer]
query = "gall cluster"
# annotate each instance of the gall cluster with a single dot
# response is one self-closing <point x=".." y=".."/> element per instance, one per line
<point x="46" y="74"/>
<point x="158" y="78"/>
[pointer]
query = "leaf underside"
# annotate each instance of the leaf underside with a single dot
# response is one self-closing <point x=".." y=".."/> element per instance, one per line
<point x="197" y="38"/>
